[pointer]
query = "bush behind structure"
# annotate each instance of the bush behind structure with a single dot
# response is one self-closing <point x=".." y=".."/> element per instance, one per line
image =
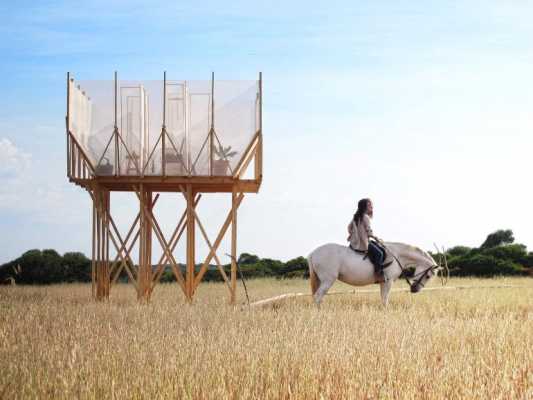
<point x="498" y="255"/>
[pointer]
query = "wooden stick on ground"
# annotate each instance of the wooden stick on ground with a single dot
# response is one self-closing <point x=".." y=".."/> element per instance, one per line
<point x="274" y="299"/>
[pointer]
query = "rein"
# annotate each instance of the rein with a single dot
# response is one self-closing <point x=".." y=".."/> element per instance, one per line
<point x="421" y="274"/>
<point x="401" y="267"/>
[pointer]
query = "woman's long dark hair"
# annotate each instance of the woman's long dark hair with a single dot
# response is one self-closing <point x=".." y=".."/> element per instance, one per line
<point x="362" y="205"/>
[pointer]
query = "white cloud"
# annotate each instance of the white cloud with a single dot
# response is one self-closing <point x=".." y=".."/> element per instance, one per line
<point x="13" y="161"/>
<point x="34" y="187"/>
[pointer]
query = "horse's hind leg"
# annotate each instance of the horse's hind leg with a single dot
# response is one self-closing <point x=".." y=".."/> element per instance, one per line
<point x="385" y="291"/>
<point x="322" y="290"/>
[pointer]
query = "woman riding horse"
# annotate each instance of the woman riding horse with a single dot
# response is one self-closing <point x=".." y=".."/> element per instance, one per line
<point x="360" y="233"/>
<point x="332" y="261"/>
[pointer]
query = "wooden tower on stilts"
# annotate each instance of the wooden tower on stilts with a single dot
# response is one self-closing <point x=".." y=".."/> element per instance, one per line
<point x="152" y="137"/>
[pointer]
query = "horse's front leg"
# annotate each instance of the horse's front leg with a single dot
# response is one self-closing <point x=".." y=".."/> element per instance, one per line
<point x="385" y="291"/>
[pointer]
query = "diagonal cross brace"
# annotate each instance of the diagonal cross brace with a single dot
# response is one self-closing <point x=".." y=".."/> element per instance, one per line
<point x="123" y="247"/>
<point x="164" y="245"/>
<point x="208" y="242"/>
<point x="174" y="239"/>
<point x="219" y="264"/>
<point x="127" y="251"/>
<point x="101" y="213"/>
<point x="248" y="154"/>
<point x="219" y="238"/>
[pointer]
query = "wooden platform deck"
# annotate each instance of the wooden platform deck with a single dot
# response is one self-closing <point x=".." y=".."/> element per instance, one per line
<point x="200" y="184"/>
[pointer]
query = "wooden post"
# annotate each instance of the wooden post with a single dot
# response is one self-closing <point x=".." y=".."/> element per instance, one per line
<point x="68" y="101"/>
<point x="105" y="249"/>
<point x="149" y="272"/>
<point x="141" y="281"/>
<point x="145" y="247"/>
<point x="78" y="168"/>
<point x="189" y="277"/>
<point x="67" y="121"/>
<point x="68" y="155"/>
<point x="98" y="243"/>
<point x="258" y="170"/>
<point x="261" y="101"/>
<point x="101" y="278"/>
<point x="106" y="276"/>
<point x="164" y="128"/>
<point x="187" y="127"/>
<point x="233" y="298"/>
<point x="93" y="259"/>
<point x="98" y="282"/>
<point x="115" y="130"/>
<point x="146" y="145"/>
<point x="212" y="128"/>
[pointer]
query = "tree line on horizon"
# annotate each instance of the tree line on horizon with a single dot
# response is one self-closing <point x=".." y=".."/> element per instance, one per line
<point x="498" y="255"/>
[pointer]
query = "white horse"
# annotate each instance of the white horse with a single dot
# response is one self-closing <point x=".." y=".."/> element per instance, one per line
<point x="333" y="261"/>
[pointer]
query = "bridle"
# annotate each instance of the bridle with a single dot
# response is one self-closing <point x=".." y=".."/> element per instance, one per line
<point x="421" y="275"/>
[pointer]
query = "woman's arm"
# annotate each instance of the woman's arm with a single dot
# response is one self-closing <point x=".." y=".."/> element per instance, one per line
<point x="368" y="228"/>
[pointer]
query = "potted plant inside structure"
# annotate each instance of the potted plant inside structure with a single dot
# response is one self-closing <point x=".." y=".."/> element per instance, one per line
<point x="221" y="164"/>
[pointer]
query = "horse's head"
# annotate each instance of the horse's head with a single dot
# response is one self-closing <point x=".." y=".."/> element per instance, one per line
<point x="425" y="266"/>
<point x="428" y="268"/>
<point x="422" y="275"/>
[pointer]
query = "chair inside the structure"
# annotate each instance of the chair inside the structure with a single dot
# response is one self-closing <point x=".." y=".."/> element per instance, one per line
<point x="133" y="163"/>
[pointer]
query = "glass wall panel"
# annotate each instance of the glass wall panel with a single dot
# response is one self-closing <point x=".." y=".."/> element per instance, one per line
<point x="197" y="143"/>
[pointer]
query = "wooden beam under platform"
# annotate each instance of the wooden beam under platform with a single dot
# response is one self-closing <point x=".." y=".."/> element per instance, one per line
<point x="171" y="184"/>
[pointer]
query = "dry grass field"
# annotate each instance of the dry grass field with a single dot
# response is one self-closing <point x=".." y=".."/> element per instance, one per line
<point x="477" y="343"/>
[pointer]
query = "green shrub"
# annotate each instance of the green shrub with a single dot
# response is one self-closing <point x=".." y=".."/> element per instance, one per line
<point x="484" y="265"/>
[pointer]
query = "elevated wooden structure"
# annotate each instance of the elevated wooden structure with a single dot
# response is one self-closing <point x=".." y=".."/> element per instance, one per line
<point x="185" y="155"/>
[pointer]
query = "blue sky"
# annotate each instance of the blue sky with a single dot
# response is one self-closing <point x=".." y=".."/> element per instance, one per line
<point x="426" y="107"/>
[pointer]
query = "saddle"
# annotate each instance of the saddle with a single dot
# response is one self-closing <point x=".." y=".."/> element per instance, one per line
<point x="378" y="268"/>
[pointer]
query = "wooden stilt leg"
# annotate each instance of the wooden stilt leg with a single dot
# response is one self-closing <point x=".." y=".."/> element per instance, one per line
<point x="233" y="298"/>
<point x="106" y="276"/>
<point x="93" y="258"/>
<point x="101" y="240"/>
<point x="149" y="272"/>
<point x="140" y="275"/>
<point x="101" y="283"/>
<point x="145" y="246"/>
<point x="101" y="278"/>
<point x="141" y="279"/>
<point x="98" y="247"/>
<point x="189" y="278"/>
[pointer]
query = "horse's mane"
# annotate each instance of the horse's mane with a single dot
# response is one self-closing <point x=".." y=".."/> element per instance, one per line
<point x="418" y="250"/>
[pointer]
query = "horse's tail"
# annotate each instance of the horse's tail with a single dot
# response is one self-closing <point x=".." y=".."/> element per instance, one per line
<point x="313" y="277"/>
